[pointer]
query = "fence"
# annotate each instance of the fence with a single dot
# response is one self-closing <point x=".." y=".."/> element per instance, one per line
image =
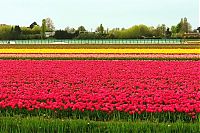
<point x="102" y="41"/>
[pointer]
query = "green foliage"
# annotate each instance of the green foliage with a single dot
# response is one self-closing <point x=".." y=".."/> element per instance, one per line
<point x="160" y="31"/>
<point x="15" y="33"/>
<point x="70" y="30"/>
<point x="5" y="32"/>
<point x="137" y="31"/>
<point x="100" y="29"/>
<point x="168" y="33"/>
<point x="34" y="31"/>
<point x="81" y="29"/>
<point x="28" y="33"/>
<point x="173" y="31"/>
<point x="33" y="25"/>
<point x="183" y="27"/>
<point x="61" y="34"/>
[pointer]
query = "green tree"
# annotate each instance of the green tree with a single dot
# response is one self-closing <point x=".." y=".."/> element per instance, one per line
<point x="168" y="33"/>
<point x="81" y="29"/>
<point x="160" y="31"/>
<point x="43" y="29"/>
<point x="179" y="27"/>
<point x="26" y="30"/>
<point x="173" y="31"/>
<point x="163" y="29"/>
<point x="15" y="33"/>
<point x="186" y="26"/>
<point x="62" y="34"/>
<point x="36" y="30"/>
<point x="100" y="29"/>
<point x="137" y="31"/>
<point x="70" y="30"/>
<point x="5" y="32"/>
<point x="33" y="24"/>
<point x="183" y="26"/>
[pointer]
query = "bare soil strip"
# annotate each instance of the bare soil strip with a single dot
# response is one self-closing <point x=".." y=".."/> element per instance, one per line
<point x="102" y="55"/>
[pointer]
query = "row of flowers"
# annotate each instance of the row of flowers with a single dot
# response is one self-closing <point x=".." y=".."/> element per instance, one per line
<point x="120" y="51"/>
<point x="187" y="56"/>
<point x="107" y="86"/>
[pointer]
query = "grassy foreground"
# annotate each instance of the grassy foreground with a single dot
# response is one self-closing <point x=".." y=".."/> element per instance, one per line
<point x="43" y="125"/>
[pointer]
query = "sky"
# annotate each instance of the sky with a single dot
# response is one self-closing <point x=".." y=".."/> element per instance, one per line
<point x="92" y="13"/>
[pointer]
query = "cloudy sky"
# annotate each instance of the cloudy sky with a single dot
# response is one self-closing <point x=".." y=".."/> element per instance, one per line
<point x="90" y="13"/>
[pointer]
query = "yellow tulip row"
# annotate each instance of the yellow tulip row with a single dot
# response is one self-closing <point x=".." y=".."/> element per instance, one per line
<point x="119" y="51"/>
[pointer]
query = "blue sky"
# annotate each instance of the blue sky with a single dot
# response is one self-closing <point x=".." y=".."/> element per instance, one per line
<point x="91" y="13"/>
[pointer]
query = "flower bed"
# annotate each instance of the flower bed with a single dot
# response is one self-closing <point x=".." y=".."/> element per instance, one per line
<point x="101" y="90"/>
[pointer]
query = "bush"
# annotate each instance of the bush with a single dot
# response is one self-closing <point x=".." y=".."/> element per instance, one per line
<point x="61" y="34"/>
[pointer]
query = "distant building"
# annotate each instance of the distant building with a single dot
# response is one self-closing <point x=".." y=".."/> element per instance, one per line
<point x="3" y="24"/>
<point x="191" y="35"/>
<point x="49" y="34"/>
<point x="198" y="29"/>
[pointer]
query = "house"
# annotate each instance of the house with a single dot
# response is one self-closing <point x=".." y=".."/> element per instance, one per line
<point x="198" y="29"/>
<point x="49" y="34"/>
<point x="3" y="24"/>
<point x="191" y="35"/>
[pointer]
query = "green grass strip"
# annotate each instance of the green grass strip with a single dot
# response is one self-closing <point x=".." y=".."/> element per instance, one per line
<point x="43" y="125"/>
<point x="100" y="115"/>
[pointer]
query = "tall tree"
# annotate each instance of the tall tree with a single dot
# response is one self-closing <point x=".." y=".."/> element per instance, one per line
<point x="173" y="31"/>
<point x="49" y="24"/>
<point x="163" y="28"/>
<point x="100" y="29"/>
<point x="186" y="26"/>
<point x="168" y="33"/>
<point x="15" y="32"/>
<point x="183" y="26"/>
<point x="43" y="28"/>
<point x="160" y="31"/>
<point x="179" y="27"/>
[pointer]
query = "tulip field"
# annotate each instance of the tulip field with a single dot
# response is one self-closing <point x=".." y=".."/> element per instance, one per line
<point x="119" y="88"/>
<point x="100" y="52"/>
<point x="101" y="91"/>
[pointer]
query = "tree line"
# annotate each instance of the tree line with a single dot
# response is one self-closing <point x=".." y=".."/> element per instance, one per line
<point x="47" y="30"/>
